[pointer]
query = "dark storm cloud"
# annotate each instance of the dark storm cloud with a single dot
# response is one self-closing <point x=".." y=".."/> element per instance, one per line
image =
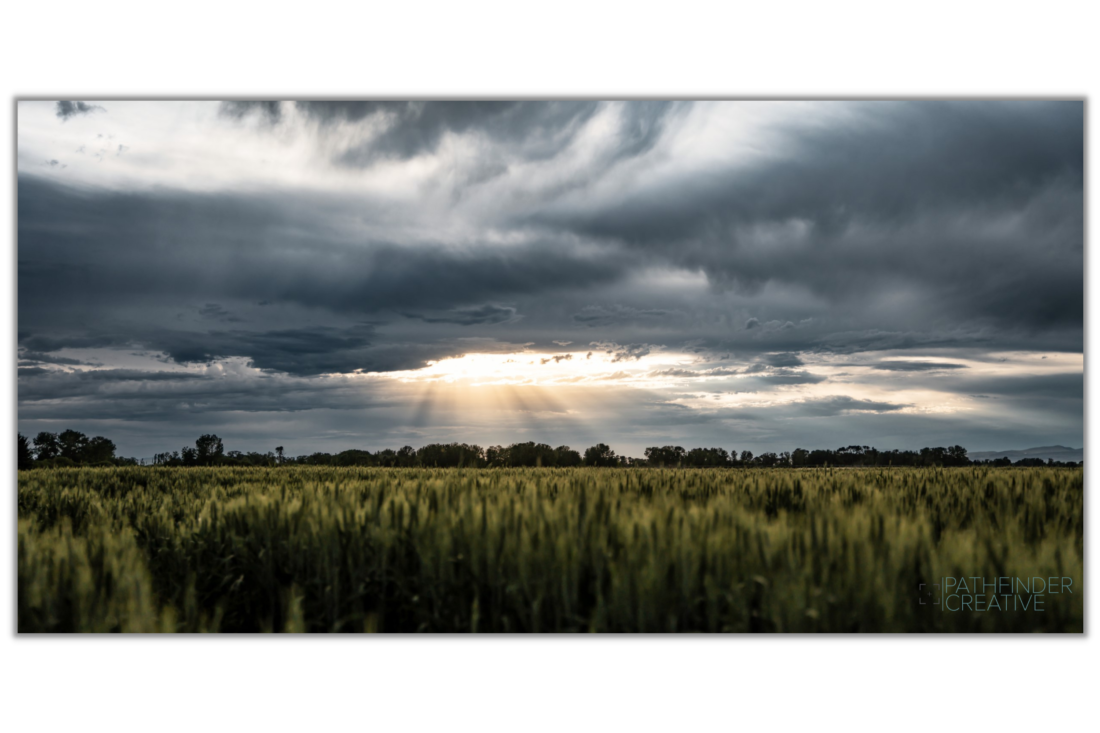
<point x="216" y="312"/>
<point x="786" y="413"/>
<point x="603" y="315"/>
<point x="790" y="376"/>
<point x="317" y="350"/>
<point x="41" y="358"/>
<point x="66" y="110"/>
<point x="481" y="314"/>
<point x="302" y="352"/>
<point x="852" y="342"/>
<point x="44" y="343"/>
<point x="974" y="209"/>
<point x="96" y="266"/>
<point x="888" y="163"/>
<point x="1042" y="387"/>
<point x="135" y="394"/>
<point x="111" y="375"/>
<point x="785" y="359"/>
<point x="916" y="366"/>
<point x="924" y="228"/>
<point x="299" y="351"/>
<point x="972" y="212"/>
<point x="831" y="406"/>
<point x="94" y="247"/>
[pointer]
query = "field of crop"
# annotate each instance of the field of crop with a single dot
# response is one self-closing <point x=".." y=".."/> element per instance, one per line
<point x="539" y="550"/>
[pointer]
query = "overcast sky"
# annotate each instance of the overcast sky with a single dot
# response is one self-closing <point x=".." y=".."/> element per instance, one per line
<point x="755" y="276"/>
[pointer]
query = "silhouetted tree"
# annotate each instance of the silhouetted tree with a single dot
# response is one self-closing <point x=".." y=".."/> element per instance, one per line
<point x="767" y="460"/>
<point x="707" y="458"/>
<point x="208" y="450"/>
<point x="668" y="455"/>
<point x="355" y="458"/>
<point x="72" y="445"/>
<point x="452" y="455"/>
<point x="566" y="457"/>
<point x="406" y="456"/>
<point x="317" y="459"/>
<point x="46" y="446"/>
<point x="98" y="450"/>
<point x="600" y="455"/>
<point x="956" y="456"/>
<point x="167" y="459"/>
<point x="26" y="457"/>
<point x="73" y="448"/>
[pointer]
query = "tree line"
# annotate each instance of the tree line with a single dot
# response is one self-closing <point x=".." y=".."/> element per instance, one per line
<point x="73" y="448"/>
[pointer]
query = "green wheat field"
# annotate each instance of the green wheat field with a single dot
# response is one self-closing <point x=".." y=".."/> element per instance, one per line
<point x="539" y="550"/>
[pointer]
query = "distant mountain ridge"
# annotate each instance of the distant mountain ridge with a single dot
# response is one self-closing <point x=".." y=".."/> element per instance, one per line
<point x="1056" y="452"/>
